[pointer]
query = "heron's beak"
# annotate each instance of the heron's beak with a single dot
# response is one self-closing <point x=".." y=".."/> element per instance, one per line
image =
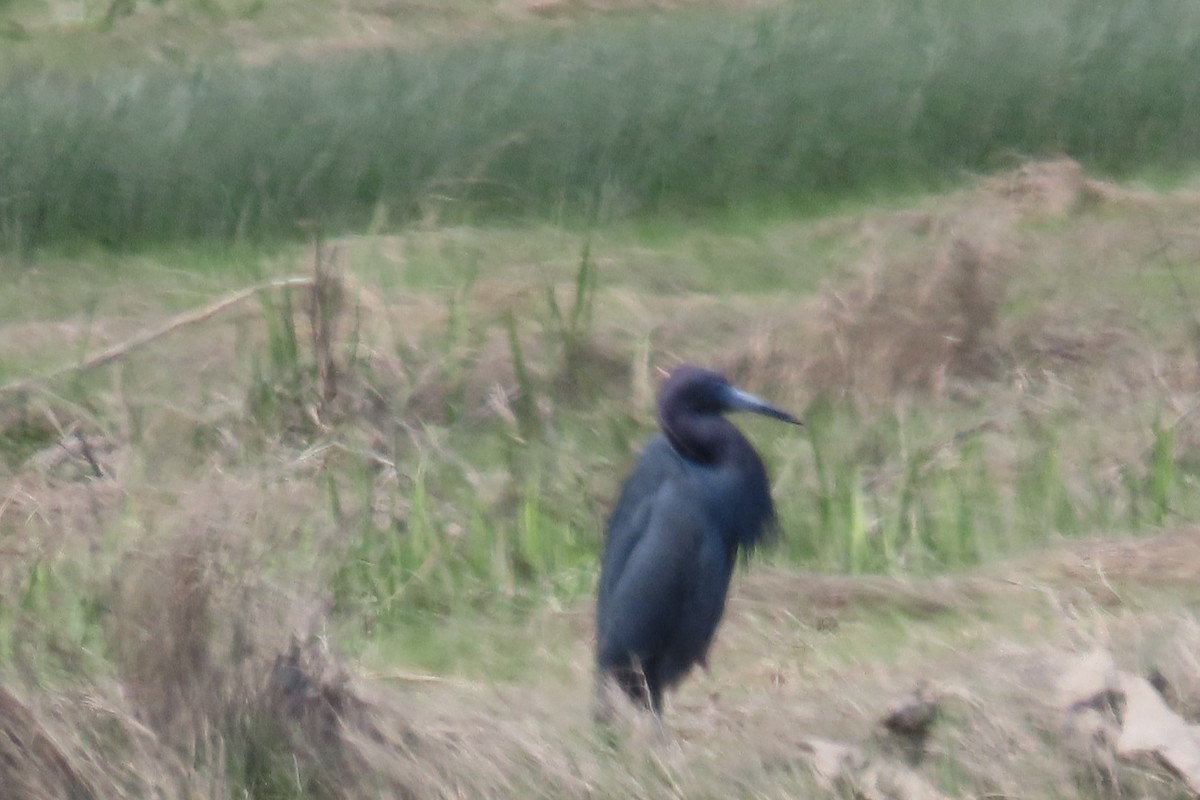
<point x="737" y="400"/>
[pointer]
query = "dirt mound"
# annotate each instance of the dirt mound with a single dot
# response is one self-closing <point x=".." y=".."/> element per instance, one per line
<point x="924" y="310"/>
<point x="1165" y="559"/>
<point x="1052" y="189"/>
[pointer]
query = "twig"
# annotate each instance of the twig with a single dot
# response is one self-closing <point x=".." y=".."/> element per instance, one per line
<point x="927" y="454"/>
<point x="325" y="301"/>
<point x="86" y="447"/>
<point x="415" y="677"/>
<point x="146" y="337"/>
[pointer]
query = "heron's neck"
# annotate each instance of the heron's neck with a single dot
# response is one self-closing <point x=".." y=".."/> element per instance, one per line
<point x="702" y="438"/>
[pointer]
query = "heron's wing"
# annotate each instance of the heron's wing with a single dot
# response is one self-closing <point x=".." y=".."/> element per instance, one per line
<point x="747" y="513"/>
<point x="666" y="603"/>
<point x="630" y="516"/>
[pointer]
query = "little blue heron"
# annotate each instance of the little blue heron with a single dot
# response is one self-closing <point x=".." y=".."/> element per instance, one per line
<point x="696" y="498"/>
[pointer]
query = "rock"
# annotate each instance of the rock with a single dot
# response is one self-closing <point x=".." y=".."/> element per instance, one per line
<point x="839" y="767"/>
<point x="1112" y="713"/>
<point x="910" y="719"/>
<point x="1150" y="728"/>
<point x="831" y="762"/>
<point x="1090" y="681"/>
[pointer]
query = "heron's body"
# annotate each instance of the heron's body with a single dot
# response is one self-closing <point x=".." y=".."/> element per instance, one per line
<point x="698" y="496"/>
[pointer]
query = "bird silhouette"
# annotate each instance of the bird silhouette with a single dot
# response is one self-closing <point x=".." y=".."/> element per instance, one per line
<point x="697" y="497"/>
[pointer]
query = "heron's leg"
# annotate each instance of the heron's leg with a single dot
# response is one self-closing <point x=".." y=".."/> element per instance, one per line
<point x="602" y="706"/>
<point x="654" y="691"/>
<point x="634" y="682"/>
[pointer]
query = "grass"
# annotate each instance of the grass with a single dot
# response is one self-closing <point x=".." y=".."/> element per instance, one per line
<point x="340" y="540"/>
<point x="699" y="111"/>
<point x="438" y="519"/>
<point x="85" y="36"/>
<point x="873" y="489"/>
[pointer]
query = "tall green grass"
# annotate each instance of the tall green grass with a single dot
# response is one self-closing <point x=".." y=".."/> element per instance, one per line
<point x="684" y="111"/>
<point x="917" y="508"/>
<point x="448" y="544"/>
<point x="935" y="502"/>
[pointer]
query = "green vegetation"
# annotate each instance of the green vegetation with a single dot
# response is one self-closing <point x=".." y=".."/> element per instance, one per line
<point x="395" y="446"/>
<point x="789" y="107"/>
<point x="466" y="462"/>
<point x="438" y="516"/>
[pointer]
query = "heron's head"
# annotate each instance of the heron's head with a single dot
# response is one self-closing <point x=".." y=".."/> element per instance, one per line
<point x="695" y="390"/>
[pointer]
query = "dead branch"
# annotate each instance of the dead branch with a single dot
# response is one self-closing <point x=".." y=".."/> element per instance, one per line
<point x="325" y="305"/>
<point x="143" y="338"/>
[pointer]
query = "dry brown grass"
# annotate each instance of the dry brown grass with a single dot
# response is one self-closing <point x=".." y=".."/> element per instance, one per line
<point x="558" y="8"/>
<point x="921" y="312"/>
<point x="215" y="678"/>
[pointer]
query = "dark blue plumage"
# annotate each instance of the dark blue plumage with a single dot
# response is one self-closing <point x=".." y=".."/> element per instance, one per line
<point x="697" y="498"/>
